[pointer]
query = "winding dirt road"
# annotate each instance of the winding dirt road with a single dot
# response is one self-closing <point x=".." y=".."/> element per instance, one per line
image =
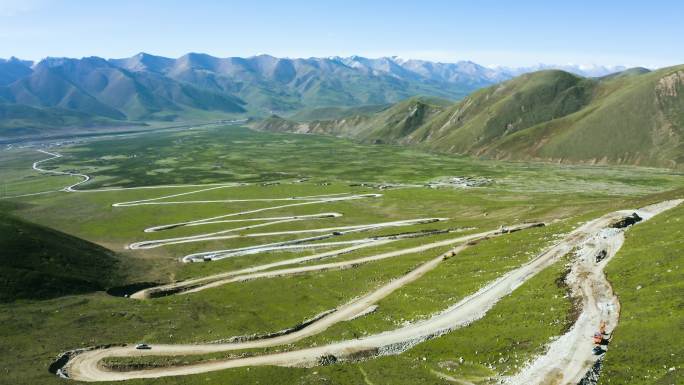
<point x="567" y="360"/>
<point x="35" y="166"/>
<point x="85" y="366"/>
<point x="195" y="285"/>
<point x="220" y="254"/>
<point x="570" y="357"/>
<point x="224" y="218"/>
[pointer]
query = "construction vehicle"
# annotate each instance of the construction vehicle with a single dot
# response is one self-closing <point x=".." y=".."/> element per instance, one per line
<point x="599" y="337"/>
<point x="598" y="350"/>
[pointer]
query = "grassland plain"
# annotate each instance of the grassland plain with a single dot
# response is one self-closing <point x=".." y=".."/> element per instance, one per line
<point x="236" y="154"/>
<point x="17" y="176"/>
<point x="34" y="332"/>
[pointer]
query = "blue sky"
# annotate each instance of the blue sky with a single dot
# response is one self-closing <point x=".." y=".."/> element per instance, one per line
<point x="514" y="33"/>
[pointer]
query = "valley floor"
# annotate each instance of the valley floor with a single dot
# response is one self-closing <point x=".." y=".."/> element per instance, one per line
<point x="240" y="252"/>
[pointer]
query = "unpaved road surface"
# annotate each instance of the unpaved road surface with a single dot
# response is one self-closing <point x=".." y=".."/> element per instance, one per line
<point x="237" y="232"/>
<point x="567" y="360"/>
<point x="360" y="305"/>
<point x="36" y="167"/>
<point x="88" y="362"/>
<point x="84" y="178"/>
<point x="85" y="366"/>
<point x="256" y="272"/>
<point x="215" y="255"/>
<point x="570" y="357"/>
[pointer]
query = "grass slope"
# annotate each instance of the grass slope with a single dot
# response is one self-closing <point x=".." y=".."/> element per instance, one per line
<point x="330" y="113"/>
<point x="501" y="110"/>
<point x="40" y="263"/>
<point x="631" y="119"/>
<point x="648" y="277"/>
<point x="635" y="117"/>
<point x="34" y="332"/>
<point x="386" y="126"/>
<point x="634" y="120"/>
<point x="237" y="154"/>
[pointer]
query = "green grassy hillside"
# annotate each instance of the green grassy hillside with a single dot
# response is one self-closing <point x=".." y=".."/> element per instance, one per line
<point x="499" y="111"/>
<point x="637" y="119"/>
<point x="634" y="117"/>
<point x="649" y="280"/>
<point x="402" y="119"/>
<point x="388" y="125"/>
<point x="330" y="113"/>
<point x="41" y="263"/>
<point x="516" y="329"/>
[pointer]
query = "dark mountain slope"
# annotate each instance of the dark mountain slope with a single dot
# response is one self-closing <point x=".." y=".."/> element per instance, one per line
<point x="621" y="118"/>
<point x="95" y="87"/>
<point x="17" y="120"/>
<point x="13" y="69"/>
<point x="148" y="87"/>
<point x="276" y="84"/>
<point x="41" y="263"/>
<point x="47" y="87"/>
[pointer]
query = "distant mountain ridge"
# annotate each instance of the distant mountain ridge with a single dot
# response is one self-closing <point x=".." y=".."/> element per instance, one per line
<point x="93" y="90"/>
<point x="592" y="70"/>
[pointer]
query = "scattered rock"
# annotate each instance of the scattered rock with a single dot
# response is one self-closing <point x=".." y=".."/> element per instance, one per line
<point x="327" y="360"/>
<point x="601" y="255"/>
<point x="626" y="221"/>
<point x="459" y="182"/>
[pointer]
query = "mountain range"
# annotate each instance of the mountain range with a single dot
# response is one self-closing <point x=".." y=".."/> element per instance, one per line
<point x="632" y="117"/>
<point x="92" y="91"/>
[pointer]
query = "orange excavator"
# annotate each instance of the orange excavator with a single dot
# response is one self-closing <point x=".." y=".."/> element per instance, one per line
<point x="599" y="338"/>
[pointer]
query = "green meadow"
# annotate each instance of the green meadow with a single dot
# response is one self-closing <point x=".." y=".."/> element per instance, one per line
<point x="270" y="165"/>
